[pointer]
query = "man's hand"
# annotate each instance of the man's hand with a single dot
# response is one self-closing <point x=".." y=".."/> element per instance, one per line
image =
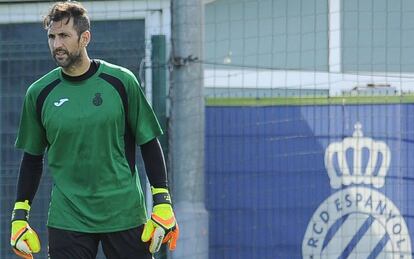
<point x="24" y="239"/>
<point x="162" y="226"/>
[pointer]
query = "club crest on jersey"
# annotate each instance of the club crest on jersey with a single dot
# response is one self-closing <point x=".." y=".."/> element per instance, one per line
<point x="357" y="221"/>
<point x="97" y="100"/>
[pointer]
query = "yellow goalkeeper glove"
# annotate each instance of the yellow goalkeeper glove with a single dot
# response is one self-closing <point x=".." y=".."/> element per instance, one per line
<point x="24" y="239"/>
<point x="162" y="226"/>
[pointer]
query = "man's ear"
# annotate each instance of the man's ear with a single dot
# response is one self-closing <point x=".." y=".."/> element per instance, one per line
<point x="85" y="38"/>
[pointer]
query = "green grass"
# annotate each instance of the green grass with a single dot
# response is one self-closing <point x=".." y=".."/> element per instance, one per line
<point x="275" y="101"/>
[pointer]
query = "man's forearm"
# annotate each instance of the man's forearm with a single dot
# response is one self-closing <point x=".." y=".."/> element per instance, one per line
<point x="154" y="163"/>
<point x="30" y="173"/>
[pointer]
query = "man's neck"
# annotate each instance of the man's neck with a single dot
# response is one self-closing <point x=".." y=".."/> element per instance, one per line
<point x="78" y="69"/>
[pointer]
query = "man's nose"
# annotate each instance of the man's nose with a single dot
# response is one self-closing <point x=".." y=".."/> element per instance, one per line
<point x="57" y="43"/>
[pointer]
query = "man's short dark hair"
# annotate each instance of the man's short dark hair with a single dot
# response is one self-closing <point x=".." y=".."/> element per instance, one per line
<point x="67" y="10"/>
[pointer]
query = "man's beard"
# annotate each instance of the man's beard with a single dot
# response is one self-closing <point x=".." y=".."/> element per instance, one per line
<point x="71" y="60"/>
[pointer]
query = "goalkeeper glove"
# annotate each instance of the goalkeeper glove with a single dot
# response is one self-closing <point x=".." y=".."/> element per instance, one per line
<point x="162" y="226"/>
<point x="24" y="239"/>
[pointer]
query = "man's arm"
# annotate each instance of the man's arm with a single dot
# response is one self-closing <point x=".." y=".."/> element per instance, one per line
<point x="24" y="239"/>
<point x="31" y="169"/>
<point x="162" y="226"/>
<point x="154" y="163"/>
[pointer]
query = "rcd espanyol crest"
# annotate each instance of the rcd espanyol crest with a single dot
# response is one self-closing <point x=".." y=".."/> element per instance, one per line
<point x="357" y="221"/>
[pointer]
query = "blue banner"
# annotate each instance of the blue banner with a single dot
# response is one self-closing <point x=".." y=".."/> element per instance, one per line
<point x="320" y="181"/>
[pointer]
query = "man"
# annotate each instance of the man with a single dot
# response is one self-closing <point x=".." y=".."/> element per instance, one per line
<point x="89" y="115"/>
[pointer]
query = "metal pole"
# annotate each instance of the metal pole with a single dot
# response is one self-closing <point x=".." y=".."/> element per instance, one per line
<point x="186" y="128"/>
<point x="1" y="136"/>
<point x="159" y="84"/>
<point x="335" y="48"/>
<point x="159" y="95"/>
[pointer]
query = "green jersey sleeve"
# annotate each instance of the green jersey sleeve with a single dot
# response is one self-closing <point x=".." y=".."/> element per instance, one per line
<point x="141" y="117"/>
<point x="31" y="135"/>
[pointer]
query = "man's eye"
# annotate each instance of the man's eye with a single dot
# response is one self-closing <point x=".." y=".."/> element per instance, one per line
<point x="51" y="36"/>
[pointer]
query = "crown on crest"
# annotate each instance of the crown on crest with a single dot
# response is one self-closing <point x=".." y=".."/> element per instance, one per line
<point x="357" y="160"/>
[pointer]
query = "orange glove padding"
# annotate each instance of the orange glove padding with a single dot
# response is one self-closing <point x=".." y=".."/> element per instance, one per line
<point x="162" y="227"/>
<point x="24" y="239"/>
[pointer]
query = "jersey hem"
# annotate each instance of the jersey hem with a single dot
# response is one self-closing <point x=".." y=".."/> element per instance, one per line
<point x="106" y="230"/>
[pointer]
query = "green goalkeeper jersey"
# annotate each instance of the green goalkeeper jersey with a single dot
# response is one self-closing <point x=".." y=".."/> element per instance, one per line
<point x="90" y="129"/>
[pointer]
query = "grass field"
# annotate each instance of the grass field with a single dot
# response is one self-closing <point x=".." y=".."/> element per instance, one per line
<point x="310" y="100"/>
